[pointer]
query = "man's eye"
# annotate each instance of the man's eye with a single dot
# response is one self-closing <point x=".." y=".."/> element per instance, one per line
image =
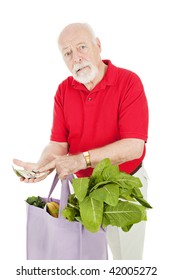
<point x="67" y="54"/>
<point x="82" y="47"/>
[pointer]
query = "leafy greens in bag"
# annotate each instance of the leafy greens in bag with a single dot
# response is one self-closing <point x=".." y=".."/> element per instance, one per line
<point x="108" y="197"/>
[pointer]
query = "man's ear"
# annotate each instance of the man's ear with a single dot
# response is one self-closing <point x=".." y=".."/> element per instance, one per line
<point x="98" y="43"/>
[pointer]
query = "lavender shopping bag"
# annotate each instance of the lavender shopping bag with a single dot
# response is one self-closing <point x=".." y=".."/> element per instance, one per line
<point x="50" y="238"/>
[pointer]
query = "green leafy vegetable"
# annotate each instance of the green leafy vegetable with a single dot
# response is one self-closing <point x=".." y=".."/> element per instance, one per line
<point x="108" y="197"/>
<point x="91" y="211"/>
<point x="80" y="186"/>
<point x="124" y="214"/>
<point x="70" y="213"/>
<point x="108" y="193"/>
<point x="36" y="201"/>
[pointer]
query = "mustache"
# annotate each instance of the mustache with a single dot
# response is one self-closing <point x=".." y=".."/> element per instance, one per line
<point x="79" y="66"/>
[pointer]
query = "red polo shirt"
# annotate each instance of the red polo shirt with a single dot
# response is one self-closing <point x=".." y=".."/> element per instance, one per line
<point x="115" y="109"/>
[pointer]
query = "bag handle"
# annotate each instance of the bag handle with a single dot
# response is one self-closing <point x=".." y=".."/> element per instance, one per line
<point x="65" y="191"/>
<point x="55" y="181"/>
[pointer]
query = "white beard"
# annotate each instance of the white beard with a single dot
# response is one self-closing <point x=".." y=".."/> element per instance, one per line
<point x="83" y="77"/>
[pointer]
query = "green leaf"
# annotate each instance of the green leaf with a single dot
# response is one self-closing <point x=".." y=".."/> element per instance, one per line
<point x="36" y="201"/>
<point x="100" y="184"/>
<point x="126" y="180"/>
<point x="110" y="173"/>
<point x="78" y="219"/>
<point x="105" y="221"/>
<point x="91" y="211"/>
<point x="73" y="201"/>
<point x="101" y="166"/>
<point x="109" y="193"/>
<point x="97" y="171"/>
<point x="31" y="199"/>
<point x="127" y="228"/>
<point x="127" y="197"/>
<point x="125" y="191"/>
<point x="124" y="214"/>
<point x="143" y="202"/>
<point x="80" y="186"/>
<point x="136" y="192"/>
<point x="70" y="213"/>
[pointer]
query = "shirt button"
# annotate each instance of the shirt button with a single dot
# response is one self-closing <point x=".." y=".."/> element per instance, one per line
<point x="89" y="98"/>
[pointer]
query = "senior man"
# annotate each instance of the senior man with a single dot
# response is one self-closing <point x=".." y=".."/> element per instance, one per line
<point x="100" y="111"/>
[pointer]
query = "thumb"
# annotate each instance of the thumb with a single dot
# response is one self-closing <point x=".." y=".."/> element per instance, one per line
<point x="25" y="165"/>
<point x="19" y="162"/>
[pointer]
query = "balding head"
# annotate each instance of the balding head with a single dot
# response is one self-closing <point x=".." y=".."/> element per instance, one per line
<point x="73" y="30"/>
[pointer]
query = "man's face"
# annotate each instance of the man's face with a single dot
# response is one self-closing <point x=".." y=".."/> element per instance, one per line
<point x="81" y="54"/>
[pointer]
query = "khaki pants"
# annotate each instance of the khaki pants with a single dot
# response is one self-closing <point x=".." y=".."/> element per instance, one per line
<point x="129" y="245"/>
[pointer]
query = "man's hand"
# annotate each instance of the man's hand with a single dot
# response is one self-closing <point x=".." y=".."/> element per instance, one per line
<point x="65" y="165"/>
<point x="30" y="167"/>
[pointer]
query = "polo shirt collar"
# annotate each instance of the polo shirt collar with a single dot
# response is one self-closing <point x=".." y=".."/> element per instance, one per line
<point x="108" y="79"/>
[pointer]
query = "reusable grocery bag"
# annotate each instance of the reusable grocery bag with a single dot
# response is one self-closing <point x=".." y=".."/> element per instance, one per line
<point x="50" y="238"/>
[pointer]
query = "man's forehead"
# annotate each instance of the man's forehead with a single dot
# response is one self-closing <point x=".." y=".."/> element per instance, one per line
<point x="74" y="37"/>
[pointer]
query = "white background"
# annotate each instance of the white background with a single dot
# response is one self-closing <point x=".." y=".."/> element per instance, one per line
<point x="135" y="34"/>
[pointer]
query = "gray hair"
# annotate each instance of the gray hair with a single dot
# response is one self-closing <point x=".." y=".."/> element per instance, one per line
<point x="85" y="25"/>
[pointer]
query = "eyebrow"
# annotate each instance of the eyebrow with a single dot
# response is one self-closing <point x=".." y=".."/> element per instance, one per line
<point x="75" y="45"/>
<point x="81" y="43"/>
<point x="65" y="48"/>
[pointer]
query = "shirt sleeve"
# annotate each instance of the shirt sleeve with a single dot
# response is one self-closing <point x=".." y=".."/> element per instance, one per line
<point x="133" y="110"/>
<point x="59" y="131"/>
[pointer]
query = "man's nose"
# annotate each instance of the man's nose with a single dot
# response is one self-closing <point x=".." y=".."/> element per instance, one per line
<point x="76" y="56"/>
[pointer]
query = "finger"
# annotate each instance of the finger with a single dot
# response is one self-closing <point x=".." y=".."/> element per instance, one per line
<point x="62" y="175"/>
<point x="34" y="180"/>
<point x="21" y="163"/>
<point x="47" y="167"/>
<point x="41" y="178"/>
<point x="22" y="179"/>
<point x="28" y="180"/>
<point x="18" y="162"/>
